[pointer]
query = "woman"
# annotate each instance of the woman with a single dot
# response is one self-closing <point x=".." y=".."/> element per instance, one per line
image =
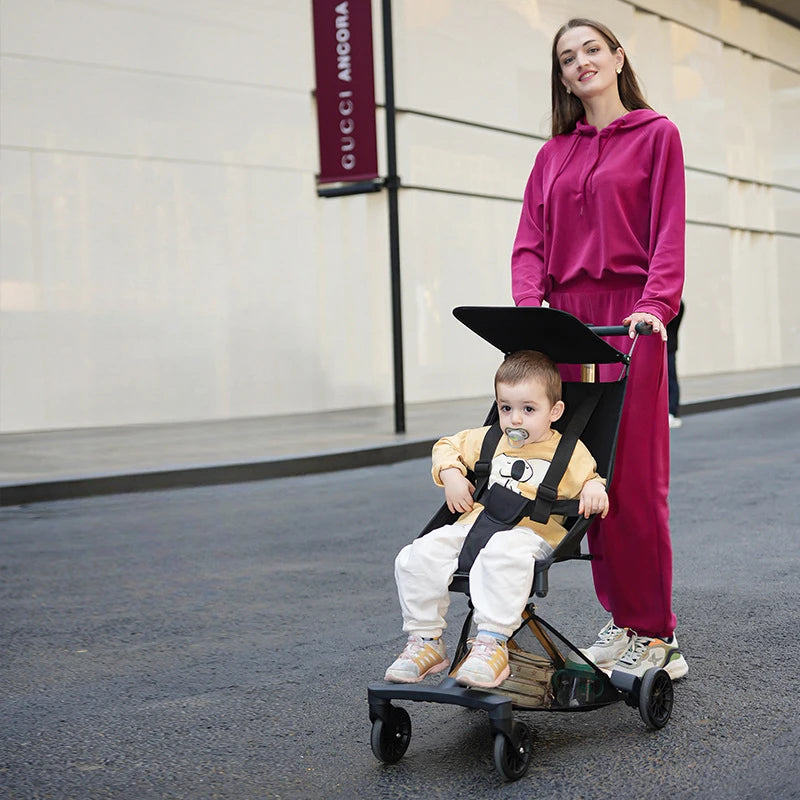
<point x="601" y="236"/>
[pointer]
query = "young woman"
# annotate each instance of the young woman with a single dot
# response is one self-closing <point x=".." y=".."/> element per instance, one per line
<point x="601" y="236"/>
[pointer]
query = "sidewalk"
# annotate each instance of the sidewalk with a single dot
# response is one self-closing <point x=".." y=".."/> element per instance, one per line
<point x="52" y="465"/>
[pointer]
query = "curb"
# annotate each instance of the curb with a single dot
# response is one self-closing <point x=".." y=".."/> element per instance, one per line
<point x="242" y="472"/>
<point x="210" y="474"/>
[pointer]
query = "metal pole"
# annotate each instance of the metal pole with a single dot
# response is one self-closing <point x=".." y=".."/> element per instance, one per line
<point x="392" y="184"/>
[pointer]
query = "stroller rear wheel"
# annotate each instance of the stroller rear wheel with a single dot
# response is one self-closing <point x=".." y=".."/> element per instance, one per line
<point x="512" y="756"/>
<point x="390" y="736"/>
<point x="656" y="697"/>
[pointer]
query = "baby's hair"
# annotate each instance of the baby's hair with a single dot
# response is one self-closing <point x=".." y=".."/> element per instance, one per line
<point x="525" y="365"/>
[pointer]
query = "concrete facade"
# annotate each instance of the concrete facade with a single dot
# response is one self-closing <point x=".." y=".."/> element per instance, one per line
<point x="165" y="256"/>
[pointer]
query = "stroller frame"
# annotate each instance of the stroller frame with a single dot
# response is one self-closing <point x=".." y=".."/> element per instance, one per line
<point x="555" y="681"/>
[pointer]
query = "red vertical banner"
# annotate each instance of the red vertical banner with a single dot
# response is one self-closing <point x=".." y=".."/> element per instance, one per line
<point x="345" y="90"/>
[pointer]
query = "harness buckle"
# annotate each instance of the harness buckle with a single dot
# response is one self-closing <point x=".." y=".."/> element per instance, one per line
<point x="546" y="493"/>
<point x="482" y="468"/>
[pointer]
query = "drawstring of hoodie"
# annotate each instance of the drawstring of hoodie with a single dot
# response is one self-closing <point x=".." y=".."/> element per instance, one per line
<point x="588" y="181"/>
<point x="561" y="168"/>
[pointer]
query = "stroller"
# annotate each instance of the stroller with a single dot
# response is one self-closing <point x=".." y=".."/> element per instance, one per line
<point x="548" y="673"/>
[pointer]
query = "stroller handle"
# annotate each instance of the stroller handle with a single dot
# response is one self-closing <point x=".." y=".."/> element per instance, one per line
<point x="642" y="328"/>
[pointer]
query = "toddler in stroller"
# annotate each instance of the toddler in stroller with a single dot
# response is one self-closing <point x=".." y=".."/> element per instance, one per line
<point x="528" y="397"/>
<point x="521" y="493"/>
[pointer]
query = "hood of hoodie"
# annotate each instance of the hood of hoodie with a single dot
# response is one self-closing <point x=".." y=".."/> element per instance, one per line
<point x="631" y="121"/>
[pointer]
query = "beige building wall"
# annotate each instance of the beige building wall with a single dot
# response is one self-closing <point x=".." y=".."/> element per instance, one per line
<point x="165" y="256"/>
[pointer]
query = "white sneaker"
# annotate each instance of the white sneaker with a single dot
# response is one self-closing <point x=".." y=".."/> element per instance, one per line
<point x="674" y="422"/>
<point x="612" y="642"/>
<point x="645" y="652"/>
<point x="420" y="658"/>
<point x="486" y="666"/>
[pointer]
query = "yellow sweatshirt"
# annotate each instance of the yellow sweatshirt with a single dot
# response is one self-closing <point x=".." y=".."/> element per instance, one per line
<point x="520" y="469"/>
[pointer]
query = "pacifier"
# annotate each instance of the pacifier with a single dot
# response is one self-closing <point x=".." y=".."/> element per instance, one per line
<point x="516" y="436"/>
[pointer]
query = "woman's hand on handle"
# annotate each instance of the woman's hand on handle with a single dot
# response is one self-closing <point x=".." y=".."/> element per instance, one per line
<point x="649" y="319"/>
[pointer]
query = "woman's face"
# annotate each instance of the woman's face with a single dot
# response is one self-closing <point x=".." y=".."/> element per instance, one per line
<point x="588" y="67"/>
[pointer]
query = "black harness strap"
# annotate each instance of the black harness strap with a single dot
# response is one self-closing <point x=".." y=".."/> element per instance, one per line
<point x="502" y="508"/>
<point x="483" y="466"/>
<point x="547" y="491"/>
<point x="481" y="532"/>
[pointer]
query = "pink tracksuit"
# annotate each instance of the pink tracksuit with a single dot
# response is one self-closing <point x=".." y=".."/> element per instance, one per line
<point x="601" y="236"/>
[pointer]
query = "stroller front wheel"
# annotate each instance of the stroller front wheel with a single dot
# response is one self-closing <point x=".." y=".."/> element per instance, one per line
<point x="512" y="756"/>
<point x="390" y="736"/>
<point x="656" y="697"/>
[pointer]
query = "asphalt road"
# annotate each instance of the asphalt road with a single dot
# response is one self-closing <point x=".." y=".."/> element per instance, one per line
<point x="217" y="642"/>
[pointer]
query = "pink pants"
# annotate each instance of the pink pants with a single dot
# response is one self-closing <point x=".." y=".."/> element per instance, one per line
<point x="632" y="551"/>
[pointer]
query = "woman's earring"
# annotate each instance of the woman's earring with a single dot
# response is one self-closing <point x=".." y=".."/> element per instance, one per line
<point x="569" y="91"/>
<point x="619" y="70"/>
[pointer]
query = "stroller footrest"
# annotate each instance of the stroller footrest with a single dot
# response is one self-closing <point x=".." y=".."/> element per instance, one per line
<point x="449" y="692"/>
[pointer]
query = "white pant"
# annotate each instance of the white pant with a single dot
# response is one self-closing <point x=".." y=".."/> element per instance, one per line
<point x="500" y="579"/>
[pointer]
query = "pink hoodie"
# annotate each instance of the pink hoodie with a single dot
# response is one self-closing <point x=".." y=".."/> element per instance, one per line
<point x="616" y="199"/>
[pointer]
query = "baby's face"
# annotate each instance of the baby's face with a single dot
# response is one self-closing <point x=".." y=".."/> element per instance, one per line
<point x="525" y="412"/>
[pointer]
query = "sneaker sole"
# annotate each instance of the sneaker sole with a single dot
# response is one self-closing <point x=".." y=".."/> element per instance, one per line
<point x="676" y="669"/>
<point x="467" y="681"/>
<point x="435" y="669"/>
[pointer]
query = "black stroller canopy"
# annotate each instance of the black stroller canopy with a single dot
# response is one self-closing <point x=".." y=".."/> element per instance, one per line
<point x="556" y="333"/>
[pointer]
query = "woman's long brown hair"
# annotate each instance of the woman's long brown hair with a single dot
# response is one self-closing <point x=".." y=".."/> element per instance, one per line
<point x="567" y="109"/>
